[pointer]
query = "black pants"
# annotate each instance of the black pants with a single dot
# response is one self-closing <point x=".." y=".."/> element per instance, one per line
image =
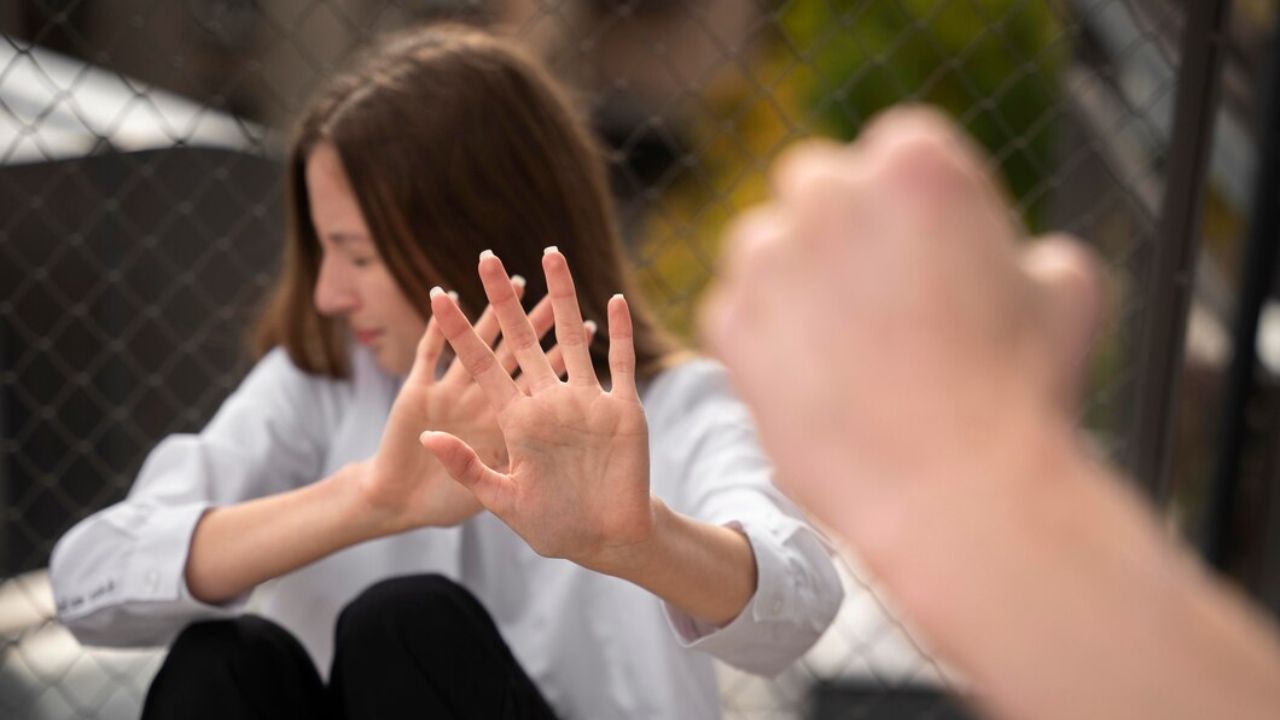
<point x="420" y="647"/>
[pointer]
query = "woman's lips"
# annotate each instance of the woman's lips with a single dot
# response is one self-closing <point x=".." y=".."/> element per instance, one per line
<point x="368" y="337"/>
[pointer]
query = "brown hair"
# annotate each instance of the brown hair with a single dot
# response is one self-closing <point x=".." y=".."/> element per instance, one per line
<point x="454" y="142"/>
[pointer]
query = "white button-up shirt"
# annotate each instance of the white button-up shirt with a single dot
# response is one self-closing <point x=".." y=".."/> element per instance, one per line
<point x="597" y="646"/>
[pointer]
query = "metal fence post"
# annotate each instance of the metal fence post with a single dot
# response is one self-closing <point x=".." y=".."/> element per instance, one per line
<point x="1172" y="268"/>
<point x="1258" y="276"/>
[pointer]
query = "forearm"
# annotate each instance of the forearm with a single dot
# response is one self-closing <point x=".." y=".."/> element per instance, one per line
<point x="1055" y="590"/>
<point x="235" y="548"/>
<point x="707" y="571"/>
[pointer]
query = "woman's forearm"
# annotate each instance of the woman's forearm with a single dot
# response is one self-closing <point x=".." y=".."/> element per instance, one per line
<point x="236" y="547"/>
<point x="707" y="571"/>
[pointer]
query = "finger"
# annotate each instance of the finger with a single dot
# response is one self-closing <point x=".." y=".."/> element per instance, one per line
<point x="571" y="337"/>
<point x="818" y="186"/>
<point x="427" y="357"/>
<point x="467" y="469"/>
<point x="474" y="355"/>
<point x="756" y="228"/>
<point x="745" y="267"/>
<point x="622" y="353"/>
<point x="541" y="319"/>
<point x="487" y="328"/>
<point x="914" y="123"/>
<point x="932" y="154"/>
<point x="555" y="355"/>
<point x="801" y="159"/>
<point x="516" y="328"/>
<point x="715" y="318"/>
<point x="1066" y="277"/>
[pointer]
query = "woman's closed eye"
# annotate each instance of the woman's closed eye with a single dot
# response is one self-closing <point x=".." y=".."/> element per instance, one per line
<point x="362" y="261"/>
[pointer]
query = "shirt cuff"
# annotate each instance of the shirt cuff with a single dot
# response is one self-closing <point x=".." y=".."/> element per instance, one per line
<point x="158" y="574"/>
<point x="127" y="584"/>
<point x="788" y="611"/>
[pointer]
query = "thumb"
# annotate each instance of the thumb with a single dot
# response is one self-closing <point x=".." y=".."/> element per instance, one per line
<point x="465" y="466"/>
<point x="1066" y="276"/>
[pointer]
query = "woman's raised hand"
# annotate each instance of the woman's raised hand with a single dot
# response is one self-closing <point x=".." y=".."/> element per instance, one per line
<point x="576" y="482"/>
<point x="408" y="488"/>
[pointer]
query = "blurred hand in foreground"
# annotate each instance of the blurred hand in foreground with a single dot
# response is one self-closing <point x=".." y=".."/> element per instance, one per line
<point x="914" y="369"/>
<point x="883" y="320"/>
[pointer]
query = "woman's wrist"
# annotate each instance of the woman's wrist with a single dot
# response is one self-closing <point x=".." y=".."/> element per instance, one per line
<point x="707" y="571"/>
<point x="630" y="559"/>
<point x="234" y="548"/>
<point x="367" y="515"/>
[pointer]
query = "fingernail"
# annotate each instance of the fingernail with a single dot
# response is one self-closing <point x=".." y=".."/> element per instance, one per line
<point x="486" y="254"/>
<point x="436" y="291"/>
<point x="617" y="296"/>
<point x="590" y="325"/>
<point x="517" y="280"/>
<point x="454" y="294"/>
<point x="423" y="437"/>
<point x="550" y="249"/>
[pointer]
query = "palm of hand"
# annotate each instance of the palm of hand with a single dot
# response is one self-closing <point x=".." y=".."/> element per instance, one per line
<point x="578" y="483"/>
<point x="457" y="406"/>
<point x="410" y="482"/>
<point x="410" y="486"/>
<point x="579" y="473"/>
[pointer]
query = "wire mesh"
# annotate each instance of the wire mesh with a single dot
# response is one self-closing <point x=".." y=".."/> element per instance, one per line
<point x="140" y="221"/>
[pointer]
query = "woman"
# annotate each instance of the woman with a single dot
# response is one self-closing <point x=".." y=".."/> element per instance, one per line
<point x="661" y="530"/>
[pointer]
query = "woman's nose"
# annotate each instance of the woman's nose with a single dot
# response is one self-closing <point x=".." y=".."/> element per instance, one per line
<point x="334" y="294"/>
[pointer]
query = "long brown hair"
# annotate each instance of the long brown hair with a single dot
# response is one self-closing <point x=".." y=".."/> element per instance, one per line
<point x="454" y="141"/>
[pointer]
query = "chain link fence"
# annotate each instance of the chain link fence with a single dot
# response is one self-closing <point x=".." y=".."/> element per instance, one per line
<point x="140" y="220"/>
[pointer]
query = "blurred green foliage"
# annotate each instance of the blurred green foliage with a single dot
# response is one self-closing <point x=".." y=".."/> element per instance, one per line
<point x="830" y="65"/>
<point x="995" y="65"/>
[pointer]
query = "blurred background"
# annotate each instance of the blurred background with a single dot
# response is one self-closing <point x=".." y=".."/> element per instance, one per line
<point x="140" y="221"/>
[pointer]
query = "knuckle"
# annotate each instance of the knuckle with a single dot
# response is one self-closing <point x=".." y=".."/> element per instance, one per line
<point x="906" y="120"/>
<point x="481" y="363"/>
<point x="524" y="341"/>
<point x="566" y="338"/>
<point x="799" y="158"/>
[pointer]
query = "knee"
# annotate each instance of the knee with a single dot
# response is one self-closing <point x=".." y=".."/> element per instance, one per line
<point x="419" y="605"/>
<point x="404" y="598"/>
<point x="234" y="668"/>
<point x="236" y="641"/>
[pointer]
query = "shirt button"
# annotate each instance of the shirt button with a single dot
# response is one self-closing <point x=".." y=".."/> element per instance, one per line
<point x="153" y="580"/>
<point x="776" y="605"/>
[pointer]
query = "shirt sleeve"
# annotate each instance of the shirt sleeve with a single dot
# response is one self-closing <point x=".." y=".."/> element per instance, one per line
<point x="723" y="477"/>
<point x="119" y="575"/>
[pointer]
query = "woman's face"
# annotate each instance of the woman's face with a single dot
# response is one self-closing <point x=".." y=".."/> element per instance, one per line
<point x="353" y="282"/>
